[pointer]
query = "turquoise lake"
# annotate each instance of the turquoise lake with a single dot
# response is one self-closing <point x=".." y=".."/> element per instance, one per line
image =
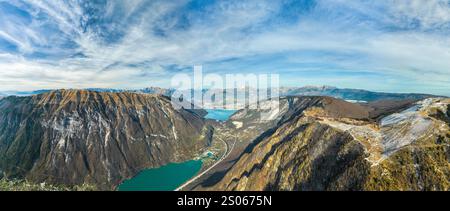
<point x="171" y="176"/>
<point x="219" y="114"/>
<point x="165" y="178"/>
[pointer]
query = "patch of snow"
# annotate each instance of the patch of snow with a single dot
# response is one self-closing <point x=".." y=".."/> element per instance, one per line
<point x="404" y="128"/>
<point x="157" y="135"/>
<point x="400" y="117"/>
<point x="140" y="113"/>
<point x="68" y="125"/>
<point x="397" y="130"/>
<point x="404" y="134"/>
<point x="61" y="143"/>
<point x="174" y="132"/>
<point x="238" y="124"/>
<point x="270" y="110"/>
<point x="339" y="125"/>
<point x="165" y="112"/>
<point x="107" y="137"/>
<point x="356" y="101"/>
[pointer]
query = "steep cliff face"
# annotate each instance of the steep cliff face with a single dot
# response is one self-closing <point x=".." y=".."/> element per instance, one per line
<point x="75" y="137"/>
<point x="300" y="156"/>
<point x="338" y="150"/>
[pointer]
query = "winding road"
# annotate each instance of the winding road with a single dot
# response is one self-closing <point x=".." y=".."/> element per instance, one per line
<point x="225" y="155"/>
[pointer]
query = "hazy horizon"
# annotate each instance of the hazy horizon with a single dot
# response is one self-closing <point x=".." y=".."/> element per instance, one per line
<point x="135" y="89"/>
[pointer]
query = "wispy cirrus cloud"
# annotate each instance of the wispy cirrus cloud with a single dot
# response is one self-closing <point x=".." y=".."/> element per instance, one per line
<point x="392" y="45"/>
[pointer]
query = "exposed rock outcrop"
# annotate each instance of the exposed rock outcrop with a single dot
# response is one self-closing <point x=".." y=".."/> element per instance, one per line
<point x="344" y="150"/>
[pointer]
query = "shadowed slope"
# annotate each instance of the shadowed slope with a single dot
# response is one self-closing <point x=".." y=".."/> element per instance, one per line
<point x="74" y="137"/>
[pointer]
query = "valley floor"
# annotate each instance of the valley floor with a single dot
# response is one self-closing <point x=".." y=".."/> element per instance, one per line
<point x="213" y="173"/>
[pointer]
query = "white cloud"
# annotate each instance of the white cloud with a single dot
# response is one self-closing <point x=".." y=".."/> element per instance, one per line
<point x="398" y="38"/>
<point x="431" y="13"/>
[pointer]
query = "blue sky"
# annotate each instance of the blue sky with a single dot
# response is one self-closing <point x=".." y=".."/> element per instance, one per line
<point x="381" y="45"/>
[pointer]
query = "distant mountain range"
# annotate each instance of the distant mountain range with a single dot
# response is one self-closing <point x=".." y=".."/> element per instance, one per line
<point x="353" y="95"/>
<point x="22" y="93"/>
<point x="349" y="94"/>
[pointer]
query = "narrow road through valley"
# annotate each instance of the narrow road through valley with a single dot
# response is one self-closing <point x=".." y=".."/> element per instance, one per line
<point x="225" y="155"/>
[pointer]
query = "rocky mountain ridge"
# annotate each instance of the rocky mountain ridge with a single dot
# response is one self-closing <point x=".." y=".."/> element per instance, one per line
<point x="318" y="150"/>
<point x="74" y="137"/>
